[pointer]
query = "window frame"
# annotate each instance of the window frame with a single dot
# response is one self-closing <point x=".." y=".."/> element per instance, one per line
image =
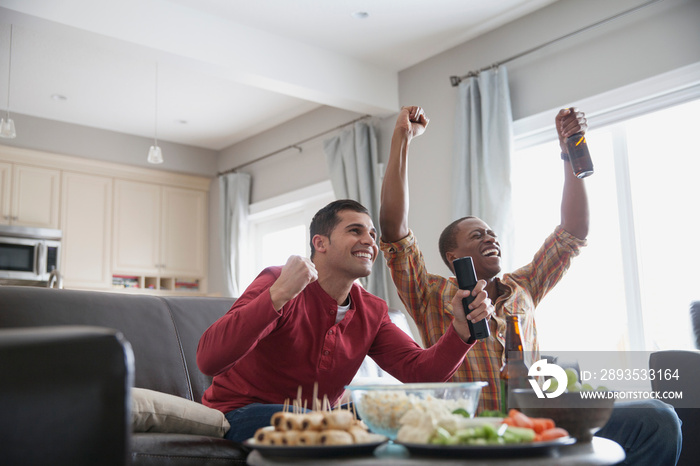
<point x="295" y="207"/>
<point x="611" y="109"/>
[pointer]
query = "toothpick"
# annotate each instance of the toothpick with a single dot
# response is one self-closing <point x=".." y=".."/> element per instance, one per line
<point x="299" y="390"/>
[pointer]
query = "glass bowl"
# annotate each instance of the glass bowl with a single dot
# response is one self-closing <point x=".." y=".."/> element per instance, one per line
<point x="382" y="406"/>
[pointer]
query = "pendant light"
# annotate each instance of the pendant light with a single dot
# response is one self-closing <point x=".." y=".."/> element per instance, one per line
<point x="7" y="126"/>
<point x="154" y="153"/>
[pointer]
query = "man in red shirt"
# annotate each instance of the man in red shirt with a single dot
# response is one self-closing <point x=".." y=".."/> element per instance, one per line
<point x="309" y="322"/>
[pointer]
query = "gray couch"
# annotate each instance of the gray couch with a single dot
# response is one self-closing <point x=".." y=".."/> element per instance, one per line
<point x="66" y="361"/>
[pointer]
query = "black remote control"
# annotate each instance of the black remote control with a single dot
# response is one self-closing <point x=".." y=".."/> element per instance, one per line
<point x="466" y="279"/>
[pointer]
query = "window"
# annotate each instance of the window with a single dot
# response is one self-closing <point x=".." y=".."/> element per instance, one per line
<point x="632" y="286"/>
<point x="279" y="228"/>
<point x="279" y="238"/>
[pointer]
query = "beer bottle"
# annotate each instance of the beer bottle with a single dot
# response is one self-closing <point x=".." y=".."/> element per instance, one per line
<point x="514" y="371"/>
<point x="577" y="149"/>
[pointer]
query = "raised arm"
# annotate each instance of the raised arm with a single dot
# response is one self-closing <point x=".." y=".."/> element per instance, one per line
<point x="253" y="316"/>
<point x="393" y="214"/>
<point x="574" y="201"/>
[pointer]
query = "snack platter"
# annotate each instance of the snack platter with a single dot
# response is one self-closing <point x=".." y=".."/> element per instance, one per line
<point x="316" y="451"/>
<point x="428" y="427"/>
<point x="487" y="451"/>
<point x="315" y="434"/>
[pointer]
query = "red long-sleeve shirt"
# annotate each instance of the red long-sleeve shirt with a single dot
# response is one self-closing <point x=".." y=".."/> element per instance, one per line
<point x="257" y="355"/>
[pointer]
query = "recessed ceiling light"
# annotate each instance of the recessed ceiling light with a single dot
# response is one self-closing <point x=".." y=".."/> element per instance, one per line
<point x="59" y="97"/>
<point x="360" y="15"/>
<point x="182" y="122"/>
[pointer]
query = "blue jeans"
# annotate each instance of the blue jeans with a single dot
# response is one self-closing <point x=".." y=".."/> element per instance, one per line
<point x="648" y="431"/>
<point x="247" y="419"/>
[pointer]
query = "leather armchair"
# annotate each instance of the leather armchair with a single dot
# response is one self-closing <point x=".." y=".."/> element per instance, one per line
<point x="65" y="396"/>
<point x="688" y="408"/>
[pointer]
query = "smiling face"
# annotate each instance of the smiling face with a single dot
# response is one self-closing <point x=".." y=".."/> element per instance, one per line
<point x="474" y="238"/>
<point x="351" y="248"/>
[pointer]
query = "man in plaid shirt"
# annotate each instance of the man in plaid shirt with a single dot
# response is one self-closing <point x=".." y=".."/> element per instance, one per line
<point x="651" y="433"/>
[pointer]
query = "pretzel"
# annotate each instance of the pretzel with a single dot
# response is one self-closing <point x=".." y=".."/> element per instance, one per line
<point x="335" y="437"/>
<point x="275" y="438"/>
<point x="308" y="437"/>
<point x="312" y="421"/>
<point x="359" y="434"/>
<point x="277" y="420"/>
<point x="284" y="422"/>
<point x="261" y="435"/>
<point x="291" y="437"/>
<point x="338" y="420"/>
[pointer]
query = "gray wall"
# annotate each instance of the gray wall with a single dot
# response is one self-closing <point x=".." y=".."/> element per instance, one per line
<point x="652" y="41"/>
<point x="92" y="143"/>
<point x="271" y="176"/>
<point x="660" y="38"/>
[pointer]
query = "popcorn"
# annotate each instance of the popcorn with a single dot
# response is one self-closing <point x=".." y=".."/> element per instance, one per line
<point x="383" y="410"/>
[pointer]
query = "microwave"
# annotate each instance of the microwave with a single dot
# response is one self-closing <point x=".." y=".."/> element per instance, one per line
<point x="28" y="253"/>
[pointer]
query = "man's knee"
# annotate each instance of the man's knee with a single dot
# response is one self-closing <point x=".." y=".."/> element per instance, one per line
<point x="645" y="419"/>
<point x="663" y="414"/>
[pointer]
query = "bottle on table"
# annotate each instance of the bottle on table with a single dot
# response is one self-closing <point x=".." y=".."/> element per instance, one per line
<point x="514" y="372"/>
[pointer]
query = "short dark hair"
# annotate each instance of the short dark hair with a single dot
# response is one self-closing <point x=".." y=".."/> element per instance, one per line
<point x="327" y="218"/>
<point x="448" y="239"/>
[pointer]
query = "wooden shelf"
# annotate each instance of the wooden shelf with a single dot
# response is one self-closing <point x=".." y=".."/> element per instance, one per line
<point x="178" y="285"/>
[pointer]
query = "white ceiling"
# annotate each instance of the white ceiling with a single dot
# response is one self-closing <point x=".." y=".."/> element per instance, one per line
<point x="227" y="69"/>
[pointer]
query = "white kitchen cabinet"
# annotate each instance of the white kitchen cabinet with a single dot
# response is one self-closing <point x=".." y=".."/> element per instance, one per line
<point x="123" y="226"/>
<point x="136" y="228"/>
<point x="86" y="221"/>
<point x="159" y="234"/>
<point x="29" y="195"/>
<point x="5" y="185"/>
<point x="183" y="232"/>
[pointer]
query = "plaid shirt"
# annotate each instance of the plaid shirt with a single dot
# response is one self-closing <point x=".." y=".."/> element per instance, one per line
<point x="428" y="297"/>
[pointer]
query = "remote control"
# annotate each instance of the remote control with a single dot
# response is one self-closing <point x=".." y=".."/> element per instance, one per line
<point x="466" y="279"/>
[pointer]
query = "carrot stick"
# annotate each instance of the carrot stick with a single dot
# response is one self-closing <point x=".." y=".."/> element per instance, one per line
<point x="540" y="424"/>
<point x="553" y="433"/>
<point x="509" y="421"/>
<point x="520" y="419"/>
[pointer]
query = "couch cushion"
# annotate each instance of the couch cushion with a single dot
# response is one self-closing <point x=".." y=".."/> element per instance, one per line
<point x="192" y="316"/>
<point x="145" y="321"/>
<point x="151" y="449"/>
<point x="153" y="411"/>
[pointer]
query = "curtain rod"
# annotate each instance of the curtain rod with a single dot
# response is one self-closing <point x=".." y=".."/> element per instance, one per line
<point x="294" y="146"/>
<point x="455" y="80"/>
